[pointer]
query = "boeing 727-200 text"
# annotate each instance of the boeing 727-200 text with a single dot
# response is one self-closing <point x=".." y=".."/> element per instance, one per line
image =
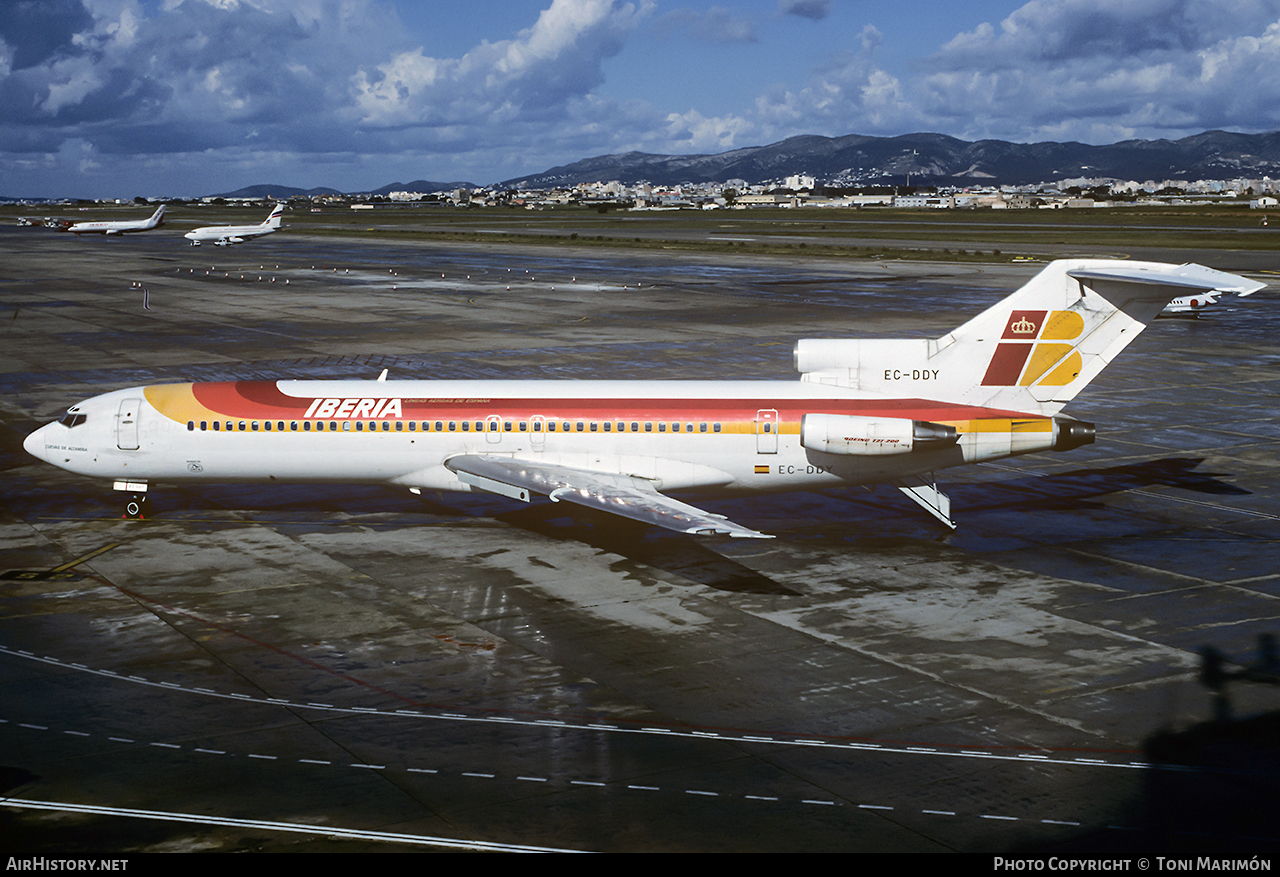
<point x="864" y="411"/>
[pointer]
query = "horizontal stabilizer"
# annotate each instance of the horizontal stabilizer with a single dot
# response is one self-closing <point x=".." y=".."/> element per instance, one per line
<point x="618" y="494"/>
<point x="1182" y="277"/>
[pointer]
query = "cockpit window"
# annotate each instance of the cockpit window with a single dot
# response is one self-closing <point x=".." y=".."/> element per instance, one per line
<point x="72" y="419"/>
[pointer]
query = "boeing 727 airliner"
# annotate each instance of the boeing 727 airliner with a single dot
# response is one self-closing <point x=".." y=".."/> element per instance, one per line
<point x="118" y="226"/>
<point x="226" y="235"/>
<point x="864" y="411"/>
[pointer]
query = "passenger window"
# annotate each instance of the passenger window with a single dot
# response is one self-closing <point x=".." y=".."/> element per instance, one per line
<point x="702" y="427"/>
<point x="523" y="426"/>
<point x="506" y="427"/>
<point x="400" y="426"/>
<point x="386" y="425"/>
<point x="648" y="426"/>
<point x="662" y="427"/>
<point x="607" y="426"/>
<point x="253" y="426"/>
<point x="453" y="425"/>
<point x="580" y="425"/>
<point x="306" y="426"/>
<point x="594" y="426"/>
<point x="715" y="427"/>
<point x="359" y="426"/>
<point x="466" y="426"/>
<point x="346" y="426"/>
<point x="675" y="427"/>
<point x="279" y="426"/>
<point x="635" y="427"/>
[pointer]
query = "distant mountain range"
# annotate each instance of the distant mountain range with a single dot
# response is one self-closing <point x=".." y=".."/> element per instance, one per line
<point x="924" y="159"/>
<point x="269" y="190"/>
<point x="422" y="186"/>
<point x="934" y="159"/>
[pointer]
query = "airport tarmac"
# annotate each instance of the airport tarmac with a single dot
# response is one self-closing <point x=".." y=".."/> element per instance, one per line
<point x="323" y="668"/>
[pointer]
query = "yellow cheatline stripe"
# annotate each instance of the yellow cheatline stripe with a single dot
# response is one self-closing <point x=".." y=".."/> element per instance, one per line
<point x="178" y="403"/>
<point x="1038" y="424"/>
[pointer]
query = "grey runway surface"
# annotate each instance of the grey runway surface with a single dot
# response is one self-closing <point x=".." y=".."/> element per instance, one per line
<point x="263" y="667"/>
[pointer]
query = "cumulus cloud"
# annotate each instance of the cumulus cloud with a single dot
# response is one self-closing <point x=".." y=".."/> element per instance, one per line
<point x="217" y="79"/>
<point x="1096" y="70"/>
<point x="196" y="90"/>
<point x="848" y="94"/>
<point x="548" y="65"/>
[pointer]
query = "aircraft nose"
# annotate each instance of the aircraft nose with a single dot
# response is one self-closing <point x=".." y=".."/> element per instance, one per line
<point x="34" y="444"/>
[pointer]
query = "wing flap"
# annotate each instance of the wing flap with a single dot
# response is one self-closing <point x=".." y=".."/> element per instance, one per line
<point x="621" y="495"/>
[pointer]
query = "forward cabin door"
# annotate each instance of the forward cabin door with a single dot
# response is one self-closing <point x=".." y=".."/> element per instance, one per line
<point x="767" y="431"/>
<point x="127" y="424"/>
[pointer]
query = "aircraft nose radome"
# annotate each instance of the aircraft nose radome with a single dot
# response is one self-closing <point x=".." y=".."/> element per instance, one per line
<point x="34" y="444"/>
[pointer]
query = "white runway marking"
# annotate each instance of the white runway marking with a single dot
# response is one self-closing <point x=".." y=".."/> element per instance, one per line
<point x="321" y="831"/>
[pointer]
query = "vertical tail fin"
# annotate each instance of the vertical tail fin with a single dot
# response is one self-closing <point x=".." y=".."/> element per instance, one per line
<point x="273" y="221"/>
<point x="1032" y="352"/>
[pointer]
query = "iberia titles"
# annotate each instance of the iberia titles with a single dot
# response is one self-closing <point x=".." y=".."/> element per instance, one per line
<point x="354" y="409"/>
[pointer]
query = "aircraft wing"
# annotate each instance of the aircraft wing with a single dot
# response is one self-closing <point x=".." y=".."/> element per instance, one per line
<point x="623" y="495"/>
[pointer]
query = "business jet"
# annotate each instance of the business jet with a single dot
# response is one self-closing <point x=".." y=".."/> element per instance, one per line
<point x="864" y="411"/>
<point x="118" y="226"/>
<point x="226" y="235"/>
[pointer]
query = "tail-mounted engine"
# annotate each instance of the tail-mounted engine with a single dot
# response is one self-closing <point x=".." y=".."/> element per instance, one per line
<point x="872" y="436"/>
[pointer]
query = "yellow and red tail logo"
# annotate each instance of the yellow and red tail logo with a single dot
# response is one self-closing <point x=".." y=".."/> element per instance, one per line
<point x="1037" y="347"/>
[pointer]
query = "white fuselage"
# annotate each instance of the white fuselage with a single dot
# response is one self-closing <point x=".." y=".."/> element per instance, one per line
<point x="227" y="234"/>
<point x="120" y="226"/>
<point x="733" y="436"/>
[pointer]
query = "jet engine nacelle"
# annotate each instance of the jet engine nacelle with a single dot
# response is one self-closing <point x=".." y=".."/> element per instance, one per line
<point x="872" y="436"/>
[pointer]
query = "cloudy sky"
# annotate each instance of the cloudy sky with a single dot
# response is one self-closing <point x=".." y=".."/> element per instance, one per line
<point x="117" y="98"/>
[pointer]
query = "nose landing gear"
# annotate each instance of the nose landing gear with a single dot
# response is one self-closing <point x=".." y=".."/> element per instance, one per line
<point x="137" y="507"/>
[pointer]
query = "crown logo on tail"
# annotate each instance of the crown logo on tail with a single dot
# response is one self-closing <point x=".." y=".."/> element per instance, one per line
<point x="1023" y="327"/>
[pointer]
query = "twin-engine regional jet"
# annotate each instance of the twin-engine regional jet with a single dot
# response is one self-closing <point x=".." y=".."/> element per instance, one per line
<point x="120" y="226"/>
<point x="226" y="235"/>
<point x="864" y="411"/>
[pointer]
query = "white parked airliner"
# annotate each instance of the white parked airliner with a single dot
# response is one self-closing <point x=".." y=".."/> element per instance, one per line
<point x="226" y="235"/>
<point x="118" y="226"/>
<point x="864" y="411"/>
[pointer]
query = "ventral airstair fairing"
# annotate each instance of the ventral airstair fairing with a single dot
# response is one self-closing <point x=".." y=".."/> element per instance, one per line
<point x="864" y="411"/>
